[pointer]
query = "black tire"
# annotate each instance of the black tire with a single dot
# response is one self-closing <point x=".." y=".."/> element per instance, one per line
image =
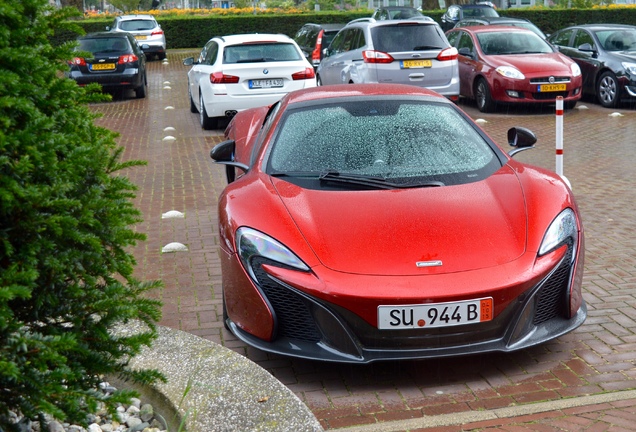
<point x="483" y="97"/>
<point x="193" y="107"/>
<point x="318" y="81"/>
<point x="225" y="317"/>
<point x="161" y="56"/>
<point x="607" y="90"/>
<point x="207" y="123"/>
<point x="140" y="92"/>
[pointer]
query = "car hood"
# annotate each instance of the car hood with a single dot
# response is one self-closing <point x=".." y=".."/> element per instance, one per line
<point x="625" y="55"/>
<point x="444" y="229"/>
<point x="541" y="64"/>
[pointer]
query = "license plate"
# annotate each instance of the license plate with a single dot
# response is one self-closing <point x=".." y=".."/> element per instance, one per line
<point x="552" y="87"/>
<point x="414" y="64"/>
<point x="141" y="37"/>
<point x="102" y="66"/>
<point x="435" y="314"/>
<point x="266" y="83"/>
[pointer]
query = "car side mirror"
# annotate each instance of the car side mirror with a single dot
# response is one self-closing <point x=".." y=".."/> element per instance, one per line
<point x="223" y="153"/>
<point x="188" y="61"/>
<point x="466" y="52"/>
<point x="107" y="28"/>
<point x="326" y="52"/>
<point x="586" y="47"/>
<point x="521" y="139"/>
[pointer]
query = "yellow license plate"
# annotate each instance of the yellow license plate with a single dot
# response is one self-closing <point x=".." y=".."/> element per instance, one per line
<point x="552" y="87"/>
<point x="103" y="66"/>
<point x="414" y="64"/>
<point x="141" y="37"/>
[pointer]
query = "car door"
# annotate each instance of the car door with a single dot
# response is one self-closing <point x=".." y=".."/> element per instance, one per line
<point x="201" y="70"/>
<point x="468" y="61"/>
<point x="333" y="64"/>
<point x="584" y="52"/>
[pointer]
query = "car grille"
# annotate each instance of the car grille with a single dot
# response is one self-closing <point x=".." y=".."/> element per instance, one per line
<point x="546" y="80"/>
<point x="552" y="296"/>
<point x="293" y="317"/>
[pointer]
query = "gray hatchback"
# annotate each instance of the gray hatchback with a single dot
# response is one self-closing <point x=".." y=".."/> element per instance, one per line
<point x="414" y="52"/>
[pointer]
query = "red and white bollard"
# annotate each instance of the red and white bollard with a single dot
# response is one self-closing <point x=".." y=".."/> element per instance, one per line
<point x="559" y="140"/>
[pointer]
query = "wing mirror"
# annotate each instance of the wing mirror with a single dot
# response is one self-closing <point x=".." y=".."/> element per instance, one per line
<point x="223" y="153"/>
<point x="466" y="52"/>
<point x="521" y="139"/>
<point x="189" y="61"/>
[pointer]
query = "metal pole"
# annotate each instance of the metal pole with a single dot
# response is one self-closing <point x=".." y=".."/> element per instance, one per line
<point x="559" y="136"/>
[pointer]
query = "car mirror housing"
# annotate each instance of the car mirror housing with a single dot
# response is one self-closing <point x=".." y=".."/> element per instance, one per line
<point x="188" y="61"/>
<point x="466" y="52"/>
<point x="586" y="47"/>
<point x="223" y="153"/>
<point x="521" y="139"/>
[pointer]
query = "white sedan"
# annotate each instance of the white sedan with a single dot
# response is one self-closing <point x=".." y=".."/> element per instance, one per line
<point x="238" y="72"/>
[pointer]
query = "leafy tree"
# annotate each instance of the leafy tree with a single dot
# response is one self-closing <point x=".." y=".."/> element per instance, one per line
<point x="66" y="216"/>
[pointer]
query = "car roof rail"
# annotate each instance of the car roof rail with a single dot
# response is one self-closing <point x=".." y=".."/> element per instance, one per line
<point x="365" y="19"/>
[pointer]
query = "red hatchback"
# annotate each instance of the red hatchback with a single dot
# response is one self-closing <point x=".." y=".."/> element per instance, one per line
<point x="503" y="65"/>
<point x="370" y="222"/>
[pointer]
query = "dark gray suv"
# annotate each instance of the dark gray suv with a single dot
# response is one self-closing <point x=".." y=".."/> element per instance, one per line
<point x="414" y="52"/>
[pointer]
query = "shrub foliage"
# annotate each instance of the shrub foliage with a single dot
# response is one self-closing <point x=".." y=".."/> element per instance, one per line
<point x="66" y="223"/>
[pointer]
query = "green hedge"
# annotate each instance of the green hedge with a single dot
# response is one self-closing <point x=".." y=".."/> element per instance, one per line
<point x="194" y="31"/>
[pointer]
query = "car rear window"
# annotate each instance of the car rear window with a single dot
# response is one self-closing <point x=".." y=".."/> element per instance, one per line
<point x="411" y="37"/>
<point x="137" y="25"/>
<point x="266" y="52"/>
<point x="104" y="45"/>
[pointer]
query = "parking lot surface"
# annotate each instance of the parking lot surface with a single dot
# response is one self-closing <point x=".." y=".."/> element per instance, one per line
<point x="595" y="360"/>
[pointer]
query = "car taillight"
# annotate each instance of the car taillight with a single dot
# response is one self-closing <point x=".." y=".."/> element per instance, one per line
<point x="78" y="61"/>
<point x="315" y="55"/>
<point x="127" y="58"/>
<point x="308" y="73"/>
<point x="448" y="54"/>
<point x="156" y="32"/>
<point x="376" y="57"/>
<point x="221" y="78"/>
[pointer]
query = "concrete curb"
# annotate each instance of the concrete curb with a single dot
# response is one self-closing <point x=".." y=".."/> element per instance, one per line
<point x="211" y="388"/>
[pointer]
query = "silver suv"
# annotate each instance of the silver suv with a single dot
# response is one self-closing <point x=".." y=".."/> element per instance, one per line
<point x="414" y="52"/>
<point x="146" y="30"/>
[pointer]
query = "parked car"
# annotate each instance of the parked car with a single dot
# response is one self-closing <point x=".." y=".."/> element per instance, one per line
<point x="412" y="52"/>
<point x="146" y="30"/>
<point x="117" y="62"/>
<point x="507" y="21"/>
<point x="512" y="65"/>
<point x="457" y="12"/>
<point x="313" y="38"/>
<point x="379" y="222"/>
<point x="237" y="72"/>
<point x="397" y="12"/>
<point x="606" y="54"/>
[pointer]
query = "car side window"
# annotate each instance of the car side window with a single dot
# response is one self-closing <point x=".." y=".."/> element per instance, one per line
<point x="267" y="124"/>
<point x="582" y="37"/>
<point x="452" y="38"/>
<point x="349" y="41"/>
<point x="562" y="38"/>
<point x="465" y="41"/>
<point x="338" y="42"/>
<point x="453" y="12"/>
<point x="212" y="50"/>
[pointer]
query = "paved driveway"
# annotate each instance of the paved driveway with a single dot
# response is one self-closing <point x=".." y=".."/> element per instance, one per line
<point x="598" y="357"/>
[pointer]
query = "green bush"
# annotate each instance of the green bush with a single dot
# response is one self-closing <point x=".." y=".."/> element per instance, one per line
<point x="66" y="217"/>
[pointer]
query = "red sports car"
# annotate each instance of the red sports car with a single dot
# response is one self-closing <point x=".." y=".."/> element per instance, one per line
<point x="378" y="222"/>
<point x="505" y="65"/>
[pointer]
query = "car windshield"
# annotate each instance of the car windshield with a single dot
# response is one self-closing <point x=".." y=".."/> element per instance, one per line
<point x="265" y="52"/>
<point x="104" y="45"/>
<point x="479" y="12"/>
<point x="496" y="43"/>
<point x="617" y="40"/>
<point x="137" y="25"/>
<point x="408" y="143"/>
<point x="408" y="37"/>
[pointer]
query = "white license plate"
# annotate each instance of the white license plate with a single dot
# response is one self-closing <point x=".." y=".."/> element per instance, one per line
<point x="435" y="314"/>
<point x="266" y="83"/>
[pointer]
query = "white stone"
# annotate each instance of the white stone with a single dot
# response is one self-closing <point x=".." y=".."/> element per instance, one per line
<point x="174" y="247"/>
<point x="172" y="214"/>
<point x="169" y="138"/>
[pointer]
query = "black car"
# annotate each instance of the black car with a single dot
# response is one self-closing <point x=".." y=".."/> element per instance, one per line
<point x="117" y="62"/>
<point x="457" y="12"/>
<point x="507" y="21"/>
<point x="313" y="38"/>
<point x="606" y="54"/>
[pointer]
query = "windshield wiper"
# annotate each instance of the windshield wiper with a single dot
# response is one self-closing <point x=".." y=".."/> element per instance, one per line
<point x="373" y="181"/>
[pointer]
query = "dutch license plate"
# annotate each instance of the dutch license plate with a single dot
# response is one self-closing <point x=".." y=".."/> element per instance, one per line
<point x="414" y="64"/>
<point x="435" y="314"/>
<point x="266" y="83"/>
<point x="102" y="66"/>
<point x="141" y="37"/>
<point x="552" y="87"/>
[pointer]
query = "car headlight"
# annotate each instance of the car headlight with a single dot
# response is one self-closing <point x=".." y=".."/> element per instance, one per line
<point x="629" y="67"/>
<point x="251" y="243"/>
<point x="510" y="72"/>
<point x="576" y="70"/>
<point x="563" y="228"/>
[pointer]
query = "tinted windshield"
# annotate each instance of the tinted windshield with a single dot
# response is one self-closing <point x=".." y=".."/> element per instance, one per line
<point x="410" y="37"/>
<point x="137" y="25"/>
<point x="104" y="45"/>
<point x="249" y="53"/>
<point x="400" y="141"/>
<point x="494" y="43"/>
<point x="617" y="40"/>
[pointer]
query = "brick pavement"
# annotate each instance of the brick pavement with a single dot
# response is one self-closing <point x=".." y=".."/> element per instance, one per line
<point x="595" y="359"/>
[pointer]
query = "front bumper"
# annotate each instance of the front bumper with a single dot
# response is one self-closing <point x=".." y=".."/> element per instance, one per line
<point x="312" y="328"/>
